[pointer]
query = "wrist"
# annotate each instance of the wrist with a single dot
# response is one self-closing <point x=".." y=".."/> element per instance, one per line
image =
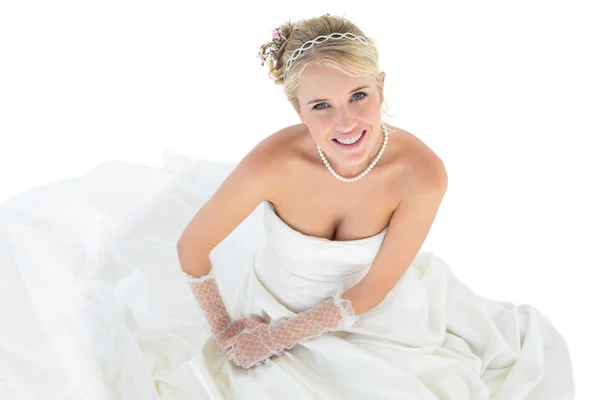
<point x="206" y="292"/>
<point x="330" y="315"/>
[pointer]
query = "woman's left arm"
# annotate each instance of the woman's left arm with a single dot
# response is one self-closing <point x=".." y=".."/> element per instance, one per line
<point x="409" y="226"/>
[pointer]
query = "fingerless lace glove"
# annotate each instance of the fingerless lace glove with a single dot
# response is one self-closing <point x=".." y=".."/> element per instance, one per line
<point x="221" y="325"/>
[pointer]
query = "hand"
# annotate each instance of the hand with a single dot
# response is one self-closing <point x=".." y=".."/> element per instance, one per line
<point x="257" y="345"/>
<point x="234" y="328"/>
<point x="251" y="347"/>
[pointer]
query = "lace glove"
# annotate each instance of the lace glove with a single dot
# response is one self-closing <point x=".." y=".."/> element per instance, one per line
<point x="235" y="328"/>
<point x="258" y="344"/>
<point x="207" y="294"/>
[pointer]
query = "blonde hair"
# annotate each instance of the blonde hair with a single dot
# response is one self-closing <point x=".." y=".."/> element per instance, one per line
<point x="348" y="56"/>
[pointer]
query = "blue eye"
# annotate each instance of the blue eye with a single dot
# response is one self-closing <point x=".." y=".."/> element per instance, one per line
<point x="364" y="95"/>
<point x="316" y="107"/>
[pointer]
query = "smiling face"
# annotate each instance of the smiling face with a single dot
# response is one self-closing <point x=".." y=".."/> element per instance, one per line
<point x="338" y="109"/>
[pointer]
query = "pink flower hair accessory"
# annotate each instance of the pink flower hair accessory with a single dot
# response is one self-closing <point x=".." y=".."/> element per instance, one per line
<point x="282" y="33"/>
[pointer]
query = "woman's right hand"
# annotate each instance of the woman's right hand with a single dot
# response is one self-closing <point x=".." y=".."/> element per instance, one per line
<point x="235" y="328"/>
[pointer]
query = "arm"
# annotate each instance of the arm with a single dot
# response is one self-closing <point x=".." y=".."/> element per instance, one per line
<point x="407" y="231"/>
<point x="242" y="191"/>
<point x="257" y="344"/>
<point x="409" y="226"/>
<point x="251" y="182"/>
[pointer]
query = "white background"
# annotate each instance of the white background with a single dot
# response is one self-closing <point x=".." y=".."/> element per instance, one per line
<point x="507" y="93"/>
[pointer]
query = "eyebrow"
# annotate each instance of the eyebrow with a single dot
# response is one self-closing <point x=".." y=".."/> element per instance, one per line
<point x="352" y="91"/>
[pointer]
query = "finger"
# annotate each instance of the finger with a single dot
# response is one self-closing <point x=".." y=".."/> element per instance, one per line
<point x="248" y="365"/>
<point x="224" y="348"/>
<point x="228" y="345"/>
<point x="233" y="358"/>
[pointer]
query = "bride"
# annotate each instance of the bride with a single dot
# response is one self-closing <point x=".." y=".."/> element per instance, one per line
<point x="304" y="259"/>
<point x="363" y="177"/>
<point x="366" y="182"/>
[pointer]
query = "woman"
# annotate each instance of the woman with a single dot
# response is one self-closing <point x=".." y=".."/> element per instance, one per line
<point x="340" y="113"/>
<point x="343" y="179"/>
<point x="304" y="258"/>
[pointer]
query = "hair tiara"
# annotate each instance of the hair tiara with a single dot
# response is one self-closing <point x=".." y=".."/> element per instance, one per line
<point x="283" y="32"/>
<point x="320" y="39"/>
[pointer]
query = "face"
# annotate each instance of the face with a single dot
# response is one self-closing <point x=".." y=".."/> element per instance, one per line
<point x="338" y="109"/>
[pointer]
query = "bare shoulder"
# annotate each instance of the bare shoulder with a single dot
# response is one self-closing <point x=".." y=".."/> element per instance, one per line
<point x="272" y="159"/>
<point x="419" y="165"/>
<point x="253" y="180"/>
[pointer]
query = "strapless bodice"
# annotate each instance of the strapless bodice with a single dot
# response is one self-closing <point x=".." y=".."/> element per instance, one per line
<point x="293" y="265"/>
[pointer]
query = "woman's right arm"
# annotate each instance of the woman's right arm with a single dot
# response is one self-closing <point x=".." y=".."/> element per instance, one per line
<point x="252" y="181"/>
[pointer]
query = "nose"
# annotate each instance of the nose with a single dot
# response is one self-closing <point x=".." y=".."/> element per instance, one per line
<point x="344" y="120"/>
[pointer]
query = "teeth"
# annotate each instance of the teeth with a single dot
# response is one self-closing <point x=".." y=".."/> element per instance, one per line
<point x="353" y="139"/>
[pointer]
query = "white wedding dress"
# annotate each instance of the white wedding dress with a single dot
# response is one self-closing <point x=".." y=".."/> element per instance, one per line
<point x="94" y="305"/>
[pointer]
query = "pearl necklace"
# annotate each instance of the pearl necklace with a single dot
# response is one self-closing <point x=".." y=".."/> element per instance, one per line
<point x="366" y="171"/>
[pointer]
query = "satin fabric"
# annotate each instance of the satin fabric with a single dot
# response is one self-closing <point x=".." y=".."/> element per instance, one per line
<point x="95" y="306"/>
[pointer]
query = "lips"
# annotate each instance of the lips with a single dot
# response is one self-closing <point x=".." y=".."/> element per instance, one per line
<point x="349" y="135"/>
<point x="354" y="145"/>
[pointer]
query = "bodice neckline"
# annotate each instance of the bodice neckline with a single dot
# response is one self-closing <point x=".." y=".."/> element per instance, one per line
<point x="270" y="210"/>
